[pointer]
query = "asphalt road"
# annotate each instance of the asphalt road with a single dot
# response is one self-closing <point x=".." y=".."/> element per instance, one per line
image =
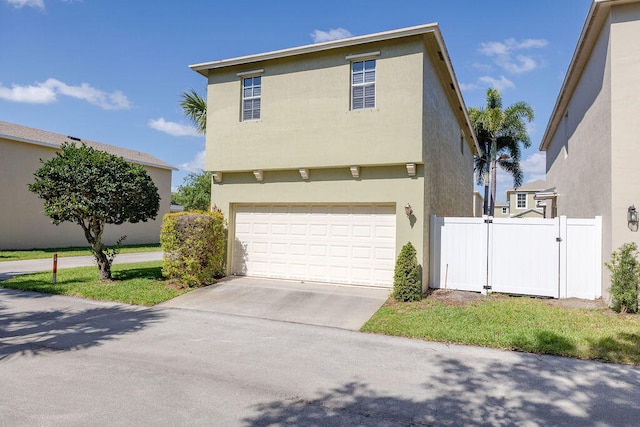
<point x="68" y="361"/>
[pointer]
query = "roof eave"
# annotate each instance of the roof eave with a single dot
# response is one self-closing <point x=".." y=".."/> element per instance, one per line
<point x="57" y="147"/>
<point x="203" y="67"/>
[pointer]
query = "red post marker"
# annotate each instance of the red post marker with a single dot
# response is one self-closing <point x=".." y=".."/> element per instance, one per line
<point x="55" y="268"/>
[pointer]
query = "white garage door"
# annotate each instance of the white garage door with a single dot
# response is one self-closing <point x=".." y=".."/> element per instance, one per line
<point x="352" y="244"/>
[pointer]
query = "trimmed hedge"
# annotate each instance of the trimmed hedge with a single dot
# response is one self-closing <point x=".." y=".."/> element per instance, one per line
<point x="407" y="280"/>
<point x="194" y="246"/>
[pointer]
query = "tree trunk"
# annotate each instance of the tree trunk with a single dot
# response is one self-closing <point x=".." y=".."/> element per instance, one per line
<point x="104" y="266"/>
<point x="493" y="176"/>
<point x="93" y="233"/>
<point x="485" y="206"/>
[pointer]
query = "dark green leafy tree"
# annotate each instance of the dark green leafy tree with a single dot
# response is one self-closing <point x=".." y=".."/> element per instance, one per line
<point x="195" y="192"/>
<point x="500" y="134"/>
<point x="194" y="107"/>
<point x="625" y="278"/>
<point x="93" y="188"/>
<point x="407" y="279"/>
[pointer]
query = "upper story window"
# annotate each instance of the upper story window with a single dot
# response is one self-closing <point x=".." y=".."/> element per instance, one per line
<point x="251" y="92"/>
<point x="521" y="200"/>
<point x="363" y="84"/>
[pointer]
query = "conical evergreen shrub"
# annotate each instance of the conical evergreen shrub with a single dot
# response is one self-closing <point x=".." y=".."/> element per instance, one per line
<point x="407" y="280"/>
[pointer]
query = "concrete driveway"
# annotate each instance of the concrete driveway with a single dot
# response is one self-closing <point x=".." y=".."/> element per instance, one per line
<point x="322" y="304"/>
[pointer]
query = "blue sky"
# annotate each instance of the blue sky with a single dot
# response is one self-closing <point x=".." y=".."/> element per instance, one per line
<point x="113" y="70"/>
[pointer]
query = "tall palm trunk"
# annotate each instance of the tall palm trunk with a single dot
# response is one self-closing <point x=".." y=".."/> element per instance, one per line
<point x="493" y="176"/>
<point x="485" y="207"/>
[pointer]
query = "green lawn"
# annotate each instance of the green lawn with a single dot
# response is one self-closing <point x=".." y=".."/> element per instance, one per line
<point x="522" y="324"/>
<point x="19" y="255"/>
<point x="139" y="283"/>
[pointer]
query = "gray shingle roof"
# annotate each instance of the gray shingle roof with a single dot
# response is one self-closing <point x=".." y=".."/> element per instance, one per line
<point x="537" y="185"/>
<point x="50" y="139"/>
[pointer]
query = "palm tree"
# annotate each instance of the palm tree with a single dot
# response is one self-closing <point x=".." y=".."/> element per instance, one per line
<point x="499" y="133"/>
<point x="195" y="108"/>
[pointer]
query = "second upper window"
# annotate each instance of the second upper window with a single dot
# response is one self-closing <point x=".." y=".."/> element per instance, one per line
<point x="363" y="84"/>
<point x="251" y="92"/>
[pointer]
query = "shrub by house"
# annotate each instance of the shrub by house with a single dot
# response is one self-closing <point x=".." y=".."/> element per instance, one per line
<point x="194" y="247"/>
<point x="407" y="279"/>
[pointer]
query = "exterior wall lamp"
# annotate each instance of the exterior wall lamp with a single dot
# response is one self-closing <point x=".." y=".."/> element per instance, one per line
<point x="632" y="216"/>
<point x="408" y="210"/>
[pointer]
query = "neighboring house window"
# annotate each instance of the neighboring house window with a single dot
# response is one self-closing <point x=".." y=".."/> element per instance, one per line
<point x="251" y="91"/>
<point x="521" y="200"/>
<point x="505" y="210"/>
<point x="363" y="84"/>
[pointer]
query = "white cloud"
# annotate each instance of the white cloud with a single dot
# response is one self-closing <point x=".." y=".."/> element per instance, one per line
<point x="38" y="4"/>
<point x="505" y="54"/>
<point x="501" y="84"/>
<point x="46" y="93"/>
<point x="320" y="36"/>
<point x="534" y="166"/>
<point x="468" y="86"/>
<point x="38" y="94"/>
<point x="195" y="165"/>
<point x="172" y="128"/>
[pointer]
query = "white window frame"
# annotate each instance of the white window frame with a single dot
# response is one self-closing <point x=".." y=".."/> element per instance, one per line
<point x="363" y="83"/>
<point x="254" y="97"/>
<point x="518" y="206"/>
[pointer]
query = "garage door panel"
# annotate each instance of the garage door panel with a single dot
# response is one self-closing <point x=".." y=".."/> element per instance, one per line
<point x="385" y="231"/>
<point x="361" y="252"/>
<point x="278" y="248"/>
<point x="333" y="243"/>
<point x="338" y="231"/>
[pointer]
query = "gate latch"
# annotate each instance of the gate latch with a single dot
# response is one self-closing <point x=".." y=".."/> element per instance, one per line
<point x="558" y="239"/>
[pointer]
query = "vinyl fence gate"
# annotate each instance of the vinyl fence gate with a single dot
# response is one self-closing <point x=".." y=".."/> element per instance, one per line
<point x="559" y="257"/>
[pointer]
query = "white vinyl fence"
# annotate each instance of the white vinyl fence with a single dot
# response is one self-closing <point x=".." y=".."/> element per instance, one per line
<point x="559" y="257"/>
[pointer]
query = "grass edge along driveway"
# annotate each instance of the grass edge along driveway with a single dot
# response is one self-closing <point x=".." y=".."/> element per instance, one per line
<point x="515" y="323"/>
<point x="137" y="283"/>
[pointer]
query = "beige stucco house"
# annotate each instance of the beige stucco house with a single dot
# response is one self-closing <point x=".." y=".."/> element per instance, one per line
<point x="478" y="205"/>
<point x="501" y="209"/>
<point x="591" y="140"/>
<point x="521" y="201"/>
<point x="328" y="158"/>
<point x="22" y="221"/>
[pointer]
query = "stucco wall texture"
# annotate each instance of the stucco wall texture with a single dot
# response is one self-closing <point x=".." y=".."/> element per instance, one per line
<point x="592" y="158"/>
<point x="306" y="122"/>
<point x="23" y="223"/>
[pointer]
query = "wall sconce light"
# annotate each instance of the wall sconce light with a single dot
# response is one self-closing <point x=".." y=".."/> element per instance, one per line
<point x="258" y="174"/>
<point x="411" y="169"/>
<point x="355" y="171"/>
<point x="217" y="176"/>
<point x="632" y="215"/>
<point x="408" y="210"/>
<point x="304" y="173"/>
